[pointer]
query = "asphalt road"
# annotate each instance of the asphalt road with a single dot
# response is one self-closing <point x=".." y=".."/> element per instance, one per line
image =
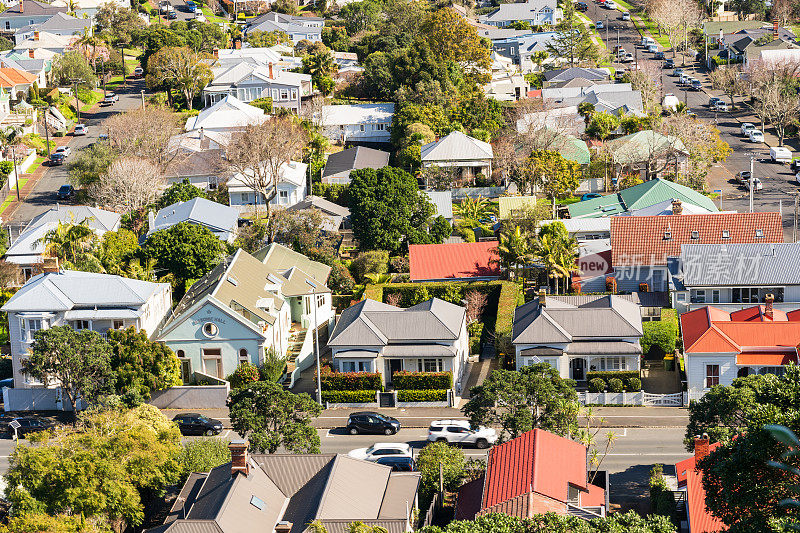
<point x="43" y="196"/>
<point x="779" y="184"/>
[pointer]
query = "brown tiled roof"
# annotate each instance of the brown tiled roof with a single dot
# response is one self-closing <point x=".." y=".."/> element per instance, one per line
<point x="650" y="240"/>
<point x="11" y="77"/>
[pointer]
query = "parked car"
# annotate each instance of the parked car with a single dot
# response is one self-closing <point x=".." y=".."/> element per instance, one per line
<point x="197" y="424"/>
<point x="756" y="136"/>
<point x="677" y="72"/>
<point x="165" y="6"/>
<point x="713" y="100"/>
<point x="696" y="85"/>
<point x="65" y="192"/>
<point x="720" y="106"/>
<point x="652" y="48"/>
<point x="628" y="58"/>
<point x="460" y="432"/>
<point x="589" y="196"/>
<point x="199" y="17"/>
<point x="658" y="55"/>
<point x="30" y="424"/>
<point x="780" y="154"/>
<point x="191" y="6"/>
<point x="581" y="6"/>
<point x="370" y="422"/>
<point x="599" y="25"/>
<point x="797" y="178"/>
<point x="746" y="128"/>
<point x="743" y="177"/>
<point x="619" y="75"/>
<point x="626" y="15"/>
<point x="172" y="14"/>
<point x="647" y="41"/>
<point x="398" y="463"/>
<point x="754" y="184"/>
<point x="138" y="72"/>
<point x="66" y="150"/>
<point x="8" y="382"/>
<point x="794" y="166"/>
<point x="610" y="4"/>
<point x="382" y="449"/>
<point x="668" y="63"/>
<point x="80" y="129"/>
<point x="109" y="99"/>
<point x="57" y="158"/>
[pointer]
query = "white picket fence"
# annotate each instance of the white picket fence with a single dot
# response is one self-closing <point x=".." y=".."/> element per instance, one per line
<point x="632" y="398"/>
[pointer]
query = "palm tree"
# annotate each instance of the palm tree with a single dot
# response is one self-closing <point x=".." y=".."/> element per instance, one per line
<point x="475" y="213"/>
<point x="514" y="251"/>
<point x="586" y="110"/>
<point x="558" y="251"/>
<point x="67" y="240"/>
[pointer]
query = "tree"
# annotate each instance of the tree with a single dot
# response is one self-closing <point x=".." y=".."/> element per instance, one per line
<point x="265" y="39"/>
<point x="301" y="229"/>
<point x="645" y="79"/>
<point x="557" y="250"/>
<point x="513" y="249"/>
<point x="572" y="40"/>
<point x="187" y="251"/>
<point x="117" y="22"/>
<point x="602" y="125"/>
<point x="438" y="455"/>
<point x="35" y="521"/>
<point x="360" y="16"/>
<point x="519" y="401"/>
<point x="77" y="360"/>
<point x="557" y="177"/>
<point x="130" y="184"/>
<point x="453" y="38"/>
<point x="203" y="455"/>
<point x="271" y="417"/>
<point x="72" y="66"/>
<point x="388" y="211"/>
<point x="179" y="192"/>
<point x="728" y="80"/>
<point x="116" y="249"/>
<point x="140" y="365"/>
<point x="90" y="164"/>
<point x="321" y="67"/>
<point x="67" y="241"/>
<point x="259" y="152"/>
<point x="181" y="68"/>
<point x="145" y="134"/>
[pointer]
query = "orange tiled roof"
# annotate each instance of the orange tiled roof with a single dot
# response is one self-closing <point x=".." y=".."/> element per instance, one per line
<point x="11" y="77"/>
<point x="712" y="330"/>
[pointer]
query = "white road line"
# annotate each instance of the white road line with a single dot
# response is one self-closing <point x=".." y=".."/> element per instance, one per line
<point x="227" y="432"/>
<point x="639" y="416"/>
<point x="328" y="434"/>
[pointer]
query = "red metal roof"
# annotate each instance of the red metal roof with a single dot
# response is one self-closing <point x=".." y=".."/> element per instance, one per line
<point x="453" y="261"/>
<point x="757" y="313"/>
<point x="712" y="330"/>
<point x="682" y="467"/>
<point x="700" y="519"/>
<point x="650" y="240"/>
<point x="767" y="358"/>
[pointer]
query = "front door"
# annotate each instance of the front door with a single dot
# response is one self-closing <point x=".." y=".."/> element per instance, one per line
<point x="578" y="366"/>
<point x="395" y="365"/>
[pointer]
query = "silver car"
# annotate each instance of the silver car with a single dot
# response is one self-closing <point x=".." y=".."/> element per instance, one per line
<point x="460" y="432"/>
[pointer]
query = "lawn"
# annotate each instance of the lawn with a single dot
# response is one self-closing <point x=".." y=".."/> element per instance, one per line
<point x="211" y="17"/>
<point x="36" y="163"/>
<point x="12" y="197"/>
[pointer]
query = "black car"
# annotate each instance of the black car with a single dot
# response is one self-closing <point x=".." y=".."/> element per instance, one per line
<point x="172" y="14"/>
<point x="398" y="464"/>
<point x="581" y="6"/>
<point x="57" y="158"/>
<point x="66" y="192"/>
<point x="669" y="63"/>
<point x="30" y="424"/>
<point x="197" y="424"/>
<point x="658" y="55"/>
<point x="369" y="422"/>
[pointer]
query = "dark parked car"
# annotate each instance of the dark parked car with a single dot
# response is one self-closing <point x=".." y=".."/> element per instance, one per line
<point x="669" y="63"/>
<point x="581" y="6"/>
<point x="30" y="424"/>
<point x="197" y="424"/>
<point x="369" y="422"/>
<point x="398" y="464"/>
<point x="658" y="55"/>
<point x="172" y="14"/>
<point x="589" y="196"/>
<point x="66" y="192"/>
<point x="57" y="158"/>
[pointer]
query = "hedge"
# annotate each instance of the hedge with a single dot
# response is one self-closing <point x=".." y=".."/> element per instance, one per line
<point x="597" y="385"/>
<point x="422" y="380"/>
<point x="629" y="378"/>
<point x="348" y="396"/>
<point x="661" y="335"/>
<point x="510" y="298"/>
<point x="615" y="385"/>
<point x="439" y="395"/>
<point x="624" y="375"/>
<point x="351" y="381"/>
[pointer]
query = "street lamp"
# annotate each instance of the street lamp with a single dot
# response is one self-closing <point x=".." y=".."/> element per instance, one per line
<point x="316" y="339"/>
<point x="142" y="99"/>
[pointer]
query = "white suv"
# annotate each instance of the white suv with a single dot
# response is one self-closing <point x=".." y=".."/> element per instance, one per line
<point x="460" y="432"/>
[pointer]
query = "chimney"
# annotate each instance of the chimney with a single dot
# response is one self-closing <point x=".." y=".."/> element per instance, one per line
<point x="542" y="298"/>
<point x="50" y="265"/>
<point x="30" y="53"/>
<point x="239" y="462"/>
<point x="36" y="35"/>
<point x="283" y="527"/>
<point x="700" y="446"/>
<point x="151" y="221"/>
<point x="216" y="53"/>
<point x="775" y="29"/>
<point x="677" y="207"/>
<point x="271" y="73"/>
<point x="769" y="299"/>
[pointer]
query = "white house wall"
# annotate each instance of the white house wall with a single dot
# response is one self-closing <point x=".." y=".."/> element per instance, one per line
<point x="696" y="370"/>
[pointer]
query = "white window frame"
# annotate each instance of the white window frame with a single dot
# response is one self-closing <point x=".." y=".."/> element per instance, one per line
<point x="379" y="127"/>
<point x="355" y="365"/>
<point x="244" y="356"/>
<point x="612" y="363"/>
<point x="30" y="326"/>
<point x="283" y="195"/>
<point x="707" y="378"/>
<point x="79" y="325"/>
<point x="284" y="95"/>
<point x="430" y="364"/>
<point x="294" y="94"/>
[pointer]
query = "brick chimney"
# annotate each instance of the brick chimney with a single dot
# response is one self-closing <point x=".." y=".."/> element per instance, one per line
<point x="216" y="53"/>
<point x="30" y="53"/>
<point x="677" y="207"/>
<point x="775" y="32"/>
<point x="700" y="446"/>
<point x="283" y="527"/>
<point x="769" y="299"/>
<point x="542" y="299"/>
<point x="271" y="72"/>
<point x="239" y="459"/>
<point x="36" y="35"/>
<point x="50" y="265"/>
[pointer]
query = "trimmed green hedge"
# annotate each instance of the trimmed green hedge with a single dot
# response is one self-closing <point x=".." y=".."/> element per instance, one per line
<point x="422" y="380"/>
<point x="597" y="385"/>
<point x="624" y="375"/>
<point x="422" y="395"/>
<point x="510" y="297"/>
<point x="351" y="381"/>
<point x="629" y="378"/>
<point x="348" y="396"/>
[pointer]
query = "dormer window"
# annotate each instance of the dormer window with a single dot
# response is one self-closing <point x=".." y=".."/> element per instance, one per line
<point x="695" y="235"/>
<point x="759" y="234"/>
<point x="667" y="235"/>
<point x="726" y="234"/>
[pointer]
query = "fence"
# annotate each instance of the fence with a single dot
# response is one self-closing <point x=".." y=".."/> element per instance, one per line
<point x="36" y="400"/>
<point x="191" y="397"/>
<point x="677" y="399"/>
<point x="432" y="510"/>
<point x="10" y="186"/>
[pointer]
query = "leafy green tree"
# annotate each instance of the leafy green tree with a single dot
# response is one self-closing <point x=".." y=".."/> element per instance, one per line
<point x="119" y="24"/>
<point x="453" y="39"/>
<point x="321" y="67"/>
<point x="360" y="16"/>
<point x="289" y="7"/>
<point x="179" y="192"/>
<point x="5" y="44"/>
<point x="517" y="401"/>
<point x="118" y="248"/>
<point x="141" y="366"/>
<point x="271" y="417"/>
<point x="201" y="36"/>
<point x="602" y="125"/>
<point x="180" y="68"/>
<point x="336" y="38"/>
<point x="265" y="39"/>
<point x="245" y="374"/>
<point x="572" y="40"/>
<point x="203" y="455"/>
<point x="187" y="251"/>
<point x="67" y="241"/>
<point x="388" y="211"/>
<point x="273" y="366"/>
<point x="91" y="163"/>
<point x="36" y="521"/>
<point x="78" y="360"/>
<point x="73" y="66"/>
<point x="452" y="461"/>
<point x="557" y="250"/>
<point x="556" y="176"/>
<point x="661" y="335"/>
<point x="514" y="249"/>
<point x="586" y="110"/>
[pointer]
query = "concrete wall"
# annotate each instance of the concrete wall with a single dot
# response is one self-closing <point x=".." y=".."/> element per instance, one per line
<point x="35" y="400"/>
<point x="199" y="397"/>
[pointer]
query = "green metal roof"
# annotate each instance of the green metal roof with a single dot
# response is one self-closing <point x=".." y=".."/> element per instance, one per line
<point x="507" y="204"/>
<point x="731" y="26"/>
<point x="572" y="148"/>
<point x="597" y="207"/>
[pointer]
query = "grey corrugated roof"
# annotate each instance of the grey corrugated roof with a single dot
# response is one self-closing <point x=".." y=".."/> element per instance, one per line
<point x="31" y="8"/>
<point x="216" y="217"/>
<point x="340" y="164"/>
<point x="761" y="264"/>
<point x="317" y="202"/>
<point x="645" y="299"/>
<point x="456" y="146"/>
<point x="97" y="219"/>
<point x="291" y="472"/>
<point x="189" y="526"/>
<point x="566" y="74"/>
<point x="602" y="348"/>
<point x="517" y="11"/>
<point x="398" y="499"/>
<point x="343" y="526"/>
<point x="280" y="258"/>
<point x="442" y="201"/>
<point x="354" y="489"/>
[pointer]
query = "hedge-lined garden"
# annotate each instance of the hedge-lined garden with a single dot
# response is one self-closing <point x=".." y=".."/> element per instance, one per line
<point x="351" y="381"/>
<point x="348" y="396"/>
<point x="614" y="381"/>
<point x="422" y="395"/>
<point x="422" y="380"/>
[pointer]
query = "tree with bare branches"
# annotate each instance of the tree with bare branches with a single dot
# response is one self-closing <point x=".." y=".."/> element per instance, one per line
<point x="144" y="133"/>
<point x="774" y="95"/>
<point x="729" y="81"/>
<point x="130" y="184"/>
<point x="259" y="152"/>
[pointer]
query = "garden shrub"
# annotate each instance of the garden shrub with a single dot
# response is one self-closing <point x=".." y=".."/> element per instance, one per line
<point x="244" y="375"/>
<point x="475" y="329"/>
<point x="660" y="335"/>
<point x="348" y="396"/>
<point x="615" y="385"/>
<point x="351" y="381"/>
<point x="264" y="103"/>
<point x="399" y="264"/>
<point x="439" y="395"/>
<point x="634" y="384"/>
<point x="340" y="280"/>
<point x="597" y="385"/>
<point x="611" y="284"/>
<point x="623" y="375"/>
<point x="203" y="455"/>
<point x="371" y="262"/>
<point x="422" y="380"/>
<point x="333" y="192"/>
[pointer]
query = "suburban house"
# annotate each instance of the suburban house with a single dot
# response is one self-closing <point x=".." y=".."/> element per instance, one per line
<point x="336" y="217"/>
<point x="507" y="83"/>
<point x="375" y="337"/>
<point x="535" y="473"/>
<point x="620" y="102"/>
<point x="642" y="196"/>
<point x="292" y="188"/>
<point x="248" y="82"/>
<point x="27" y="249"/>
<point x="601" y="334"/>
<point x="226" y="115"/>
<point x="38" y="68"/>
<point x="284" y="493"/>
<point x="26" y="13"/>
<point x="442" y="202"/>
<point x="594" y="265"/>
<point x="242" y="308"/>
<point x="357" y="123"/>
<point x="339" y="165"/>
<point x="650" y="303"/>
<point x="16" y="82"/>
<point x="559" y="120"/>
<point x="733" y="276"/>
<point x="82" y="300"/>
<point x="197" y="157"/>
<point x="584" y="229"/>
<point x="58" y="24"/>
<point x="465" y="155"/>
<point x="463" y="261"/>
<point x="712" y="30"/>
<point x="641" y="246"/>
<point x="720" y="346"/>
<point x="690" y="481"/>
<point x="296" y="28"/>
<point x="508" y="206"/>
<point x="574" y="88"/>
<point x="553" y="78"/>
<point x="534" y="12"/>
<point x="45" y="41"/>
<point x="221" y="220"/>
<point x="89" y="8"/>
<point x="648" y="153"/>
<point x="521" y="46"/>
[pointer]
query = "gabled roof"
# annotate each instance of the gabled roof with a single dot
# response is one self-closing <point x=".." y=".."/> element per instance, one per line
<point x="60" y="22"/>
<point x="317" y="202"/>
<point x="230" y="112"/>
<point x="453" y="261"/>
<point x="566" y="74"/>
<point x="371" y="323"/>
<point x="752" y="264"/>
<point x="651" y="240"/>
<point x="518" y="11"/>
<point x="508" y="204"/>
<point x="282" y="259"/>
<point x="343" y="115"/>
<point x="216" y="217"/>
<point x="700" y="519"/>
<point x="31" y="8"/>
<point x="643" y="145"/>
<point x="712" y="29"/>
<point x="62" y="291"/>
<point x="293" y="172"/>
<point x="11" y="77"/>
<point x="456" y="146"/>
<point x="349" y="159"/>
<point x="442" y="201"/>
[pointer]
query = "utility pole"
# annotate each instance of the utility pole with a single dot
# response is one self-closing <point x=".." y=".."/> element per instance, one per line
<point x="752" y="182"/>
<point x="142" y="99"/>
<point x="606" y="29"/>
<point x="617" y="37"/>
<point x="16" y="174"/>
<point x="75" y="82"/>
<point x="796" y="201"/>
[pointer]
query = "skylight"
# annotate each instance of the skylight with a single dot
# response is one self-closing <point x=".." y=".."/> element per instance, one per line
<point x="257" y="502"/>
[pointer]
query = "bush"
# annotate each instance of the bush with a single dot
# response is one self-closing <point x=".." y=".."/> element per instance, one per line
<point x="340" y="281"/>
<point x="6" y="167"/>
<point x="422" y="395"/>
<point x="348" y="396"/>
<point x="607" y="375"/>
<point x="334" y="192"/>
<point x="475" y="329"/>
<point x="611" y="284"/>
<point x="615" y="385"/>
<point x="597" y="385"/>
<point x="575" y="287"/>
<point x="203" y="455"/>
<point x="643" y="287"/>
<point x="662" y="500"/>
<point x="510" y="296"/>
<point x="273" y="366"/>
<point x="399" y="264"/>
<point x="634" y="384"/>
<point x="246" y="374"/>
<point x="264" y="103"/>
<point x="422" y="380"/>
<point x="371" y="262"/>
<point x="351" y="381"/>
<point x="660" y="335"/>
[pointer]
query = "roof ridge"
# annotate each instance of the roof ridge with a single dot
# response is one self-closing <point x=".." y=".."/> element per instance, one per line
<point x="226" y="272"/>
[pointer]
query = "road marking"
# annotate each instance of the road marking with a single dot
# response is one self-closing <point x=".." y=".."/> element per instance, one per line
<point x="224" y="434"/>
<point x="328" y="434"/>
<point x="638" y="416"/>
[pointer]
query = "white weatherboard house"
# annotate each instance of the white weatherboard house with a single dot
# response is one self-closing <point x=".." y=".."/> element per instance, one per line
<point x="226" y="115"/>
<point x="534" y="12"/>
<point x="357" y="123"/>
<point x="221" y="220"/>
<point x="601" y="335"/>
<point x="292" y="188"/>
<point x="375" y="337"/>
<point x="82" y="300"/>
<point x="467" y="155"/>
<point x="245" y="306"/>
